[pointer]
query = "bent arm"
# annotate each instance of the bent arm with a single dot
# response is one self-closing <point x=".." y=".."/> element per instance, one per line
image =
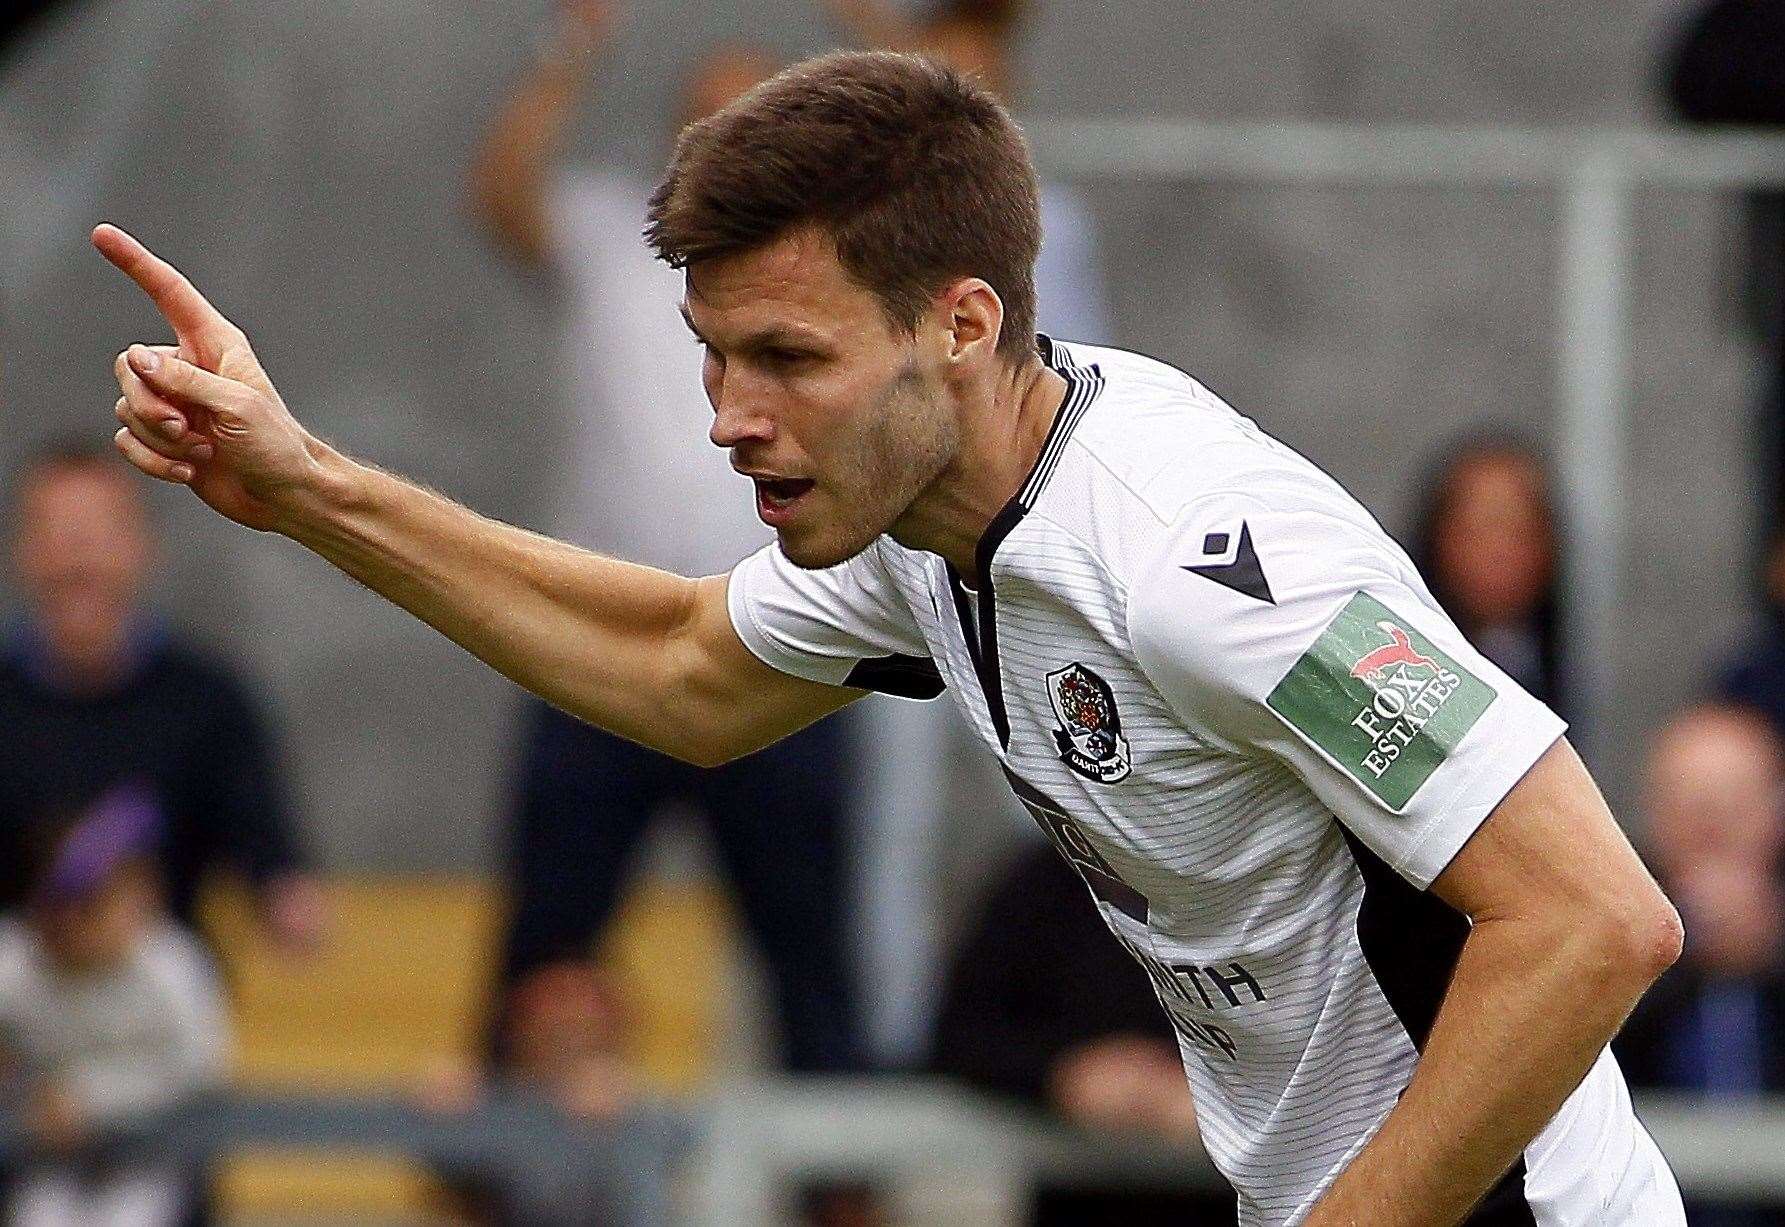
<point x="873" y="23"/>
<point x="510" y="169"/>
<point x="639" y="652"/>
<point x="1569" y="931"/>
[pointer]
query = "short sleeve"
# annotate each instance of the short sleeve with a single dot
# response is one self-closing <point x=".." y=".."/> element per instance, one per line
<point x="846" y="625"/>
<point x="1306" y="636"/>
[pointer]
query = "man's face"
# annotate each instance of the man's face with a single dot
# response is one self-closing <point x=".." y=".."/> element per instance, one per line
<point x="81" y="551"/>
<point x="840" y="417"/>
<point x="99" y="930"/>
<point x="1713" y="794"/>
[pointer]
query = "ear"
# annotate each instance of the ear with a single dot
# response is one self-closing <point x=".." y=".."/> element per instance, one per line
<point x="974" y="319"/>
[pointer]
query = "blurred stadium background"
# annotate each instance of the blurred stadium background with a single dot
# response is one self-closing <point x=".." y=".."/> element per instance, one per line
<point x="306" y="165"/>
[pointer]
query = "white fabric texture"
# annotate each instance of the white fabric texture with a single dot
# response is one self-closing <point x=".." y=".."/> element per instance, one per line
<point x="1186" y="620"/>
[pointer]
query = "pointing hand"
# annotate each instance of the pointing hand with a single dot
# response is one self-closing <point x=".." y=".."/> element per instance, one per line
<point x="203" y="413"/>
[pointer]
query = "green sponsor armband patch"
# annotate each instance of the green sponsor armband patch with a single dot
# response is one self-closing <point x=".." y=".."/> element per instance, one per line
<point x="1378" y="699"/>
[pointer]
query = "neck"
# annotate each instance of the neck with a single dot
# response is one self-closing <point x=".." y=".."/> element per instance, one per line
<point x="1002" y="433"/>
<point x="83" y="663"/>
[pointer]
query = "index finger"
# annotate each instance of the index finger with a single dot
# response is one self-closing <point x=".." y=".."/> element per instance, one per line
<point x="196" y="322"/>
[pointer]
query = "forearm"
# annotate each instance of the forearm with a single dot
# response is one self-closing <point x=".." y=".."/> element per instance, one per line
<point x="1528" y="1011"/>
<point x="508" y="176"/>
<point x="593" y="635"/>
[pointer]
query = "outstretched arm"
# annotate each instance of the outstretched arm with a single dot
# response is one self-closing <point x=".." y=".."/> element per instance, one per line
<point x="640" y="652"/>
<point x="508" y="175"/>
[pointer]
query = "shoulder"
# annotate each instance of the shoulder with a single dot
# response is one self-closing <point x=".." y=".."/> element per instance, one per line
<point x="1241" y="583"/>
<point x="175" y="653"/>
<point x="1168" y="440"/>
<point x="1160" y="468"/>
<point x="199" y="675"/>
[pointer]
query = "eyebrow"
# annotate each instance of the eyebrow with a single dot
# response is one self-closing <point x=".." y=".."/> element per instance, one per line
<point x="774" y="336"/>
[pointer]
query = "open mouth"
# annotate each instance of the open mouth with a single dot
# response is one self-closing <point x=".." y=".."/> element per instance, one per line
<point x="776" y="497"/>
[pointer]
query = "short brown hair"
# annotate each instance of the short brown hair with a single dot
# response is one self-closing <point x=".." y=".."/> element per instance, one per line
<point x="916" y="173"/>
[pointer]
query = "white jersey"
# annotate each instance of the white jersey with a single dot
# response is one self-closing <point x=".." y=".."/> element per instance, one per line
<point x="1234" y="706"/>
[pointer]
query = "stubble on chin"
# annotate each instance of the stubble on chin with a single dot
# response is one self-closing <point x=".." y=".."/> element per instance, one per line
<point x="905" y="444"/>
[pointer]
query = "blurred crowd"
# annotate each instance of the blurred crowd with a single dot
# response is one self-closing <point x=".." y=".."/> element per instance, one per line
<point x="140" y="767"/>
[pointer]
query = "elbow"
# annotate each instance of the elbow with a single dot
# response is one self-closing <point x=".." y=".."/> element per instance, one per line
<point x="707" y="755"/>
<point x="1668" y="939"/>
<point x="510" y="221"/>
<point x="1642" y="939"/>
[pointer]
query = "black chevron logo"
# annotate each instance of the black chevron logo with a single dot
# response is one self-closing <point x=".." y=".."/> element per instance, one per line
<point x="1243" y="574"/>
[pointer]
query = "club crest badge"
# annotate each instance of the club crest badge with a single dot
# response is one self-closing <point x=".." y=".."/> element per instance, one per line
<point x="1090" y="737"/>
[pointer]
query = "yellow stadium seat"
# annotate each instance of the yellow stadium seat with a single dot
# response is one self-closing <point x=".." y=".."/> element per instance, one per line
<point x="400" y="989"/>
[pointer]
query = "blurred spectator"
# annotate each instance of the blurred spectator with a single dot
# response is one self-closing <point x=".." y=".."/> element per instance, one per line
<point x="977" y="37"/>
<point x="96" y="691"/>
<point x="564" y="1025"/>
<point x="19" y="21"/>
<point x="1486" y="542"/>
<point x="1728" y="68"/>
<point x="108" y="1014"/>
<point x="646" y="485"/>
<point x="1715" y="1023"/>
<point x="1754" y="676"/>
<point x="1041" y="1004"/>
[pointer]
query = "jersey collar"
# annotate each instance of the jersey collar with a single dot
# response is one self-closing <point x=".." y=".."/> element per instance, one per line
<point x="1083" y="383"/>
<point x="977" y="610"/>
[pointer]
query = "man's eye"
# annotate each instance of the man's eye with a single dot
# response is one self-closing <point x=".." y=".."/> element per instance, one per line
<point x="784" y="357"/>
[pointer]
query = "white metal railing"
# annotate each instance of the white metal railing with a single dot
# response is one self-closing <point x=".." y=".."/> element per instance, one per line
<point x="955" y="1158"/>
<point x="944" y="1155"/>
<point x="1594" y="172"/>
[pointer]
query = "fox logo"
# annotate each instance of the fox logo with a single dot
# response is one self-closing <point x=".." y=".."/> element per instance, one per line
<point x="1400" y="652"/>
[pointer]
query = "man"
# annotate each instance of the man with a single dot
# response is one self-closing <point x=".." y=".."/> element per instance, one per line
<point x="1724" y="68"/>
<point x="1715" y="1024"/>
<point x="95" y="692"/>
<point x="912" y="808"/>
<point x="585" y="798"/>
<point x="1221" y="688"/>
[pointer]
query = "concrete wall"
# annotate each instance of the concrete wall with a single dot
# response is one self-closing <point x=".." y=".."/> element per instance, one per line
<point x="304" y="162"/>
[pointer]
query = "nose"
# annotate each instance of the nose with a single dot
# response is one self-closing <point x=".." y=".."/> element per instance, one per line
<point x="740" y="413"/>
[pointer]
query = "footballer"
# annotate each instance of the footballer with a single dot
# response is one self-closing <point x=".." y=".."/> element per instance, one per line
<point x="1383" y="904"/>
